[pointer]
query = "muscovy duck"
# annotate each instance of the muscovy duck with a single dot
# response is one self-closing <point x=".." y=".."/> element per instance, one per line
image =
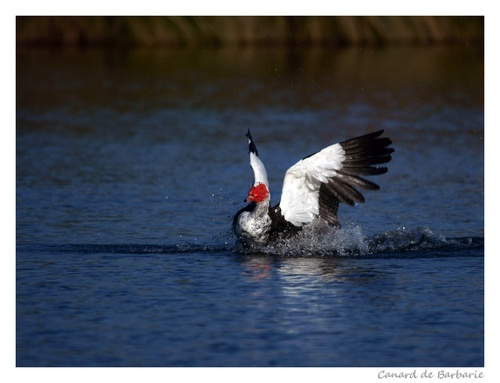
<point x="312" y="188"/>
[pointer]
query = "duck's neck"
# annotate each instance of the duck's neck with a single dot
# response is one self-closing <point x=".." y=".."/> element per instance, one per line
<point x="261" y="208"/>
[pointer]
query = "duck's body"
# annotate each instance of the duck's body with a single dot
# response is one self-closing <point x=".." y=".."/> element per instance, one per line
<point x="312" y="188"/>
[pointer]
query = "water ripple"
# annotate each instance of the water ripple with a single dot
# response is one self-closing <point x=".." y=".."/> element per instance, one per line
<point x="419" y="242"/>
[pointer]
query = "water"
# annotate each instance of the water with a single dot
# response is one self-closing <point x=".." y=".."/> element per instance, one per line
<point x="131" y="164"/>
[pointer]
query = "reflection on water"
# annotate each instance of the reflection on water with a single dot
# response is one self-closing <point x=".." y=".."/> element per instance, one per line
<point x="359" y="302"/>
<point x="299" y="273"/>
<point x="142" y="81"/>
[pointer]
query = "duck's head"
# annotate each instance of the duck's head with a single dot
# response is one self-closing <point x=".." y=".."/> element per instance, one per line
<point x="257" y="193"/>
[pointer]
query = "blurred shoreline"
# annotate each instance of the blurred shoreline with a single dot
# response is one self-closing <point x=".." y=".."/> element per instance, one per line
<point x="220" y="31"/>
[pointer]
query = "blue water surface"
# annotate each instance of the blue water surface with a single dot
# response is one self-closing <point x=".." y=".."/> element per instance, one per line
<point x="131" y="164"/>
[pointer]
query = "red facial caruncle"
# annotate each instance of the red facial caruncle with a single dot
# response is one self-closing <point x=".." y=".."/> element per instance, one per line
<point x="257" y="193"/>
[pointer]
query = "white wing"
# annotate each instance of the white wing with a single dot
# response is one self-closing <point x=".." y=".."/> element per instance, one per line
<point x="259" y="170"/>
<point x="315" y="185"/>
<point x="300" y="196"/>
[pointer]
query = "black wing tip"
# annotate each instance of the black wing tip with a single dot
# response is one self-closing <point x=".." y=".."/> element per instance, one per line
<point x="368" y="149"/>
<point x="373" y="137"/>
<point x="361" y="154"/>
<point x="251" y="145"/>
<point x="377" y="133"/>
